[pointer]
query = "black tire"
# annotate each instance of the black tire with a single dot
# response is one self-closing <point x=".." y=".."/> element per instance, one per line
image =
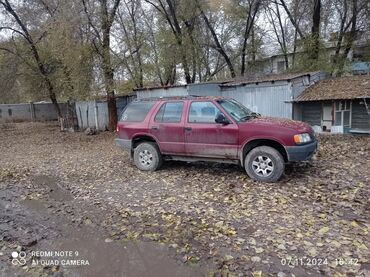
<point x="264" y="164"/>
<point x="147" y="156"/>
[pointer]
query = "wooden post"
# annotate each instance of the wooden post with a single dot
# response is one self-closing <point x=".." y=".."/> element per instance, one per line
<point x="96" y="115"/>
<point x="32" y="110"/>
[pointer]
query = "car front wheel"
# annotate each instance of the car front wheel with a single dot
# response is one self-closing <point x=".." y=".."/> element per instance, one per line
<point x="147" y="156"/>
<point x="264" y="164"/>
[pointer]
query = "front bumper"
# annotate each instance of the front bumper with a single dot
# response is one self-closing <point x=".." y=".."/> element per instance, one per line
<point x="301" y="152"/>
<point x="126" y="144"/>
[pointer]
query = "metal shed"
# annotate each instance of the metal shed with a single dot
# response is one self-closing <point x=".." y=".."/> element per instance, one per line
<point x="263" y="98"/>
<point x="269" y="95"/>
<point x="180" y="90"/>
<point x="205" y="89"/>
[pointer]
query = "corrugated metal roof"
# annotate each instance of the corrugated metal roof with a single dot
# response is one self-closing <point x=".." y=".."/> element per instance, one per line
<point x="186" y="97"/>
<point x="154" y="87"/>
<point x="349" y="87"/>
<point x="241" y="80"/>
<point x="251" y="79"/>
<point x="158" y="87"/>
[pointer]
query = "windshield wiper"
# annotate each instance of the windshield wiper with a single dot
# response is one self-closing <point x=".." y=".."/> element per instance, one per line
<point x="251" y="115"/>
<point x="245" y="117"/>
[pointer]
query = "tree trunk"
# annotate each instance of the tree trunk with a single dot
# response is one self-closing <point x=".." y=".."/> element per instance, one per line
<point x="280" y="32"/>
<point x="53" y="98"/>
<point x="107" y="21"/>
<point x="111" y="100"/>
<point x="112" y="110"/>
<point x="185" y="64"/>
<point x="351" y="38"/>
<point x="283" y="38"/>
<point x="190" y="29"/>
<point x="316" y="30"/>
<point x="294" y="47"/>
<point x="248" y="27"/>
<point x="109" y="83"/>
<point x="254" y="46"/>
<point x="336" y="59"/>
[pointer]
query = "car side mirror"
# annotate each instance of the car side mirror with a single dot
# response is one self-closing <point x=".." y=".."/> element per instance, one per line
<point x="221" y="119"/>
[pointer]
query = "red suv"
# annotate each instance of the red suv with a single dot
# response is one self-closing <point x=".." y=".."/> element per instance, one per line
<point x="212" y="129"/>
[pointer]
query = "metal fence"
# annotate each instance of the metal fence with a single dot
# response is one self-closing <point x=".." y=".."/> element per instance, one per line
<point x="94" y="114"/>
<point x="31" y="112"/>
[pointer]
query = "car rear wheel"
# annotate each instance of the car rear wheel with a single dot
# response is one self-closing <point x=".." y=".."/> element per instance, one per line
<point x="264" y="164"/>
<point x="147" y="156"/>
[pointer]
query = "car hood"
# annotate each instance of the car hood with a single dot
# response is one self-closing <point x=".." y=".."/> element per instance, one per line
<point x="281" y="122"/>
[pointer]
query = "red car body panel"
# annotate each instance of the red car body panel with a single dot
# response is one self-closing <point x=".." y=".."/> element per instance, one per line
<point x="211" y="139"/>
<point x="170" y="137"/>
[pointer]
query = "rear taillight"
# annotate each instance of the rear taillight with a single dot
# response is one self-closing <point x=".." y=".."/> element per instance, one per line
<point x="117" y="128"/>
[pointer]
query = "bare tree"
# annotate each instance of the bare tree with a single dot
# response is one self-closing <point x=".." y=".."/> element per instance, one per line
<point x="349" y="12"/>
<point x="313" y="39"/>
<point x="252" y="10"/>
<point x="273" y="15"/>
<point x="292" y="19"/>
<point x="130" y="34"/>
<point x="21" y="29"/>
<point x="166" y="73"/>
<point x="101" y="31"/>
<point x="218" y="45"/>
<point x="169" y="9"/>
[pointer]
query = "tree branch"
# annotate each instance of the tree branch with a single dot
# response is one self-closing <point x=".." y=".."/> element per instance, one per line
<point x="89" y="20"/>
<point x="114" y="11"/>
<point x="14" y="31"/>
<point x="292" y="19"/>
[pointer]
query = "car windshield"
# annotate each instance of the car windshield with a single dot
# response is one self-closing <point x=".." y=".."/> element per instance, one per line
<point x="236" y="110"/>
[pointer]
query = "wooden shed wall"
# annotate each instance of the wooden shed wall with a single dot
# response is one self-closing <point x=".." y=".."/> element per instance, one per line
<point x="311" y="113"/>
<point x="360" y="117"/>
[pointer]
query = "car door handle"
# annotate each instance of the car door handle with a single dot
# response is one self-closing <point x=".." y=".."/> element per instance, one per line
<point x="155" y="128"/>
<point x="188" y="129"/>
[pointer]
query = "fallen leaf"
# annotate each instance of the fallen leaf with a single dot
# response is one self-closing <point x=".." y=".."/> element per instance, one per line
<point x="324" y="230"/>
<point x="257" y="274"/>
<point x="228" y="258"/>
<point x="312" y="252"/>
<point x="255" y="259"/>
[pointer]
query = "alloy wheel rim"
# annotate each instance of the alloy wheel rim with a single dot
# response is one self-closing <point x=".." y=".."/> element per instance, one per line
<point x="263" y="166"/>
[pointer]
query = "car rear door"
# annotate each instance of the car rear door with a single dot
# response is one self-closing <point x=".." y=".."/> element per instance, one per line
<point x="206" y="138"/>
<point x="167" y="126"/>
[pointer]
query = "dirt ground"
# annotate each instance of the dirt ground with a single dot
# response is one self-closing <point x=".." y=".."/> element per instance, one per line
<point x="80" y="198"/>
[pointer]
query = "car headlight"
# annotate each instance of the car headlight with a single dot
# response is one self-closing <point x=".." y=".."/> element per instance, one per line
<point x="302" y="138"/>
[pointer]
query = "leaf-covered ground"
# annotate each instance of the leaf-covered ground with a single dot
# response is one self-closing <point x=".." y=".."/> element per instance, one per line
<point x="315" y="221"/>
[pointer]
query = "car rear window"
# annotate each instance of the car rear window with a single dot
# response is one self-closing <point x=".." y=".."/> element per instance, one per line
<point x="136" y="111"/>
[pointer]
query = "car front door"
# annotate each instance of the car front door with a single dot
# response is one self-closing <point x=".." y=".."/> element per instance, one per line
<point x="206" y="138"/>
<point x="167" y="126"/>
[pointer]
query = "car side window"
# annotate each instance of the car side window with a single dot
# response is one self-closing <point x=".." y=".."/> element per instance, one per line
<point x="170" y="112"/>
<point x="203" y="112"/>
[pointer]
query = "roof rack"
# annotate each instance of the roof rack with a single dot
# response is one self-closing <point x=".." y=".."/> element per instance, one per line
<point x="184" y="97"/>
